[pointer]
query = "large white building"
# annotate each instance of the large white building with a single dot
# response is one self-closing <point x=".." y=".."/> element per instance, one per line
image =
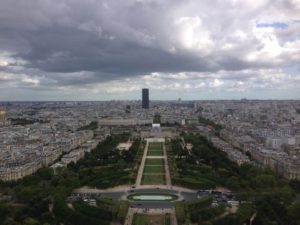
<point x="277" y="142"/>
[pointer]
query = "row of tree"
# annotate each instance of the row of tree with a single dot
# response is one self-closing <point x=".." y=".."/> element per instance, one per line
<point x="272" y="197"/>
<point x="41" y="198"/>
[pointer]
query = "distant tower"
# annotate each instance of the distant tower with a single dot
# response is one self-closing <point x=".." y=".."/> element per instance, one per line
<point x="145" y="98"/>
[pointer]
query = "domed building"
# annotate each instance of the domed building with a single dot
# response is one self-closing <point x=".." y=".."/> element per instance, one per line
<point x="3" y="118"/>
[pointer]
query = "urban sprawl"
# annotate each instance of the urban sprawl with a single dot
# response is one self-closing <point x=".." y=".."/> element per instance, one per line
<point x="54" y="134"/>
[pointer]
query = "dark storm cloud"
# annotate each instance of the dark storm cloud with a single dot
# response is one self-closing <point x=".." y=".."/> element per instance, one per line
<point x="75" y="42"/>
<point x="110" y="39"/>
<point x="61" y="49"/>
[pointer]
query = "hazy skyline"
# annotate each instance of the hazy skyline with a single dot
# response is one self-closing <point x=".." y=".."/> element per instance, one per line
<point x="101" y="50"/>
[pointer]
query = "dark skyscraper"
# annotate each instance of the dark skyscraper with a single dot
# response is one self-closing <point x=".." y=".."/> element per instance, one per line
<point x="145" y="98"/>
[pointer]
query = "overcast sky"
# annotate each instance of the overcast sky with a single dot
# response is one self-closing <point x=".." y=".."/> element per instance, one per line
<point x="111" y="49"/>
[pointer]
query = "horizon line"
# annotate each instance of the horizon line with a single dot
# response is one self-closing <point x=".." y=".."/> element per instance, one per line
<point x="154" y="100"/>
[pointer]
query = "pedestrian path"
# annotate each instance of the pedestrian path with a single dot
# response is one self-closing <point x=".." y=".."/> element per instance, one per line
<point x="167" y="171"/>
<point x="141" y="168"/>
<point x="160" y="211"/>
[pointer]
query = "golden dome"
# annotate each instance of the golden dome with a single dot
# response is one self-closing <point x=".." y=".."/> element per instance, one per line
<point x="2" y="111"/>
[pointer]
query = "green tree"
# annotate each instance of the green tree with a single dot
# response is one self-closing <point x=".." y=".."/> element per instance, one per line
<point x="264" y="181"/>
<point x="294" y="214"/>
<point x="31" y="221"/>
<point x="180" y="212"/>
<point x="233" y="183"/>
<point x="3" y="213"/>
<point x="244" y="213"/>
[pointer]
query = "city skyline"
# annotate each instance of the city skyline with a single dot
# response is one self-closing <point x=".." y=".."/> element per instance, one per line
<point x="192" y="50"/>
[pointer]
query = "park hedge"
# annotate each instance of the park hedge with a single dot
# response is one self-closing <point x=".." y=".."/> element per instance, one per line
<point x="193" y="184"/>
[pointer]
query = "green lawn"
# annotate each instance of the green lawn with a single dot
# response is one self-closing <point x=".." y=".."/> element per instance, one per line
<point x="155" y="149"/>
<point x="154" y="169"/>
<point x="153" y="179"/>
<point x="155" y="153"/>
<point x="155" y="146"/>
<point x="142" y="219"/>
<point x="154" y="162"/>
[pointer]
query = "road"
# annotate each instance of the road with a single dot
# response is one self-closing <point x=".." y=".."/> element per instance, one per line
<point x="182" y="193"/>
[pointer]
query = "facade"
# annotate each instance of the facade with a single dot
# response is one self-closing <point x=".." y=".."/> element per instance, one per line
<point x="20" y="160"/>
<point x="145" y="98"/>
<point x="155" y="130"/>
<point x="165" y="132"/>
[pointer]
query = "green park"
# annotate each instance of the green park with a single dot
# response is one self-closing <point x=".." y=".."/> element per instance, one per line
<point x="43" y="198"/>
<point x="155" y="149"/>
<point x="154" y="173"/>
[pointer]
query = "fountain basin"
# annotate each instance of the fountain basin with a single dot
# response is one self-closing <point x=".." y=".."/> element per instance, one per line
<point x="152" y="197"/>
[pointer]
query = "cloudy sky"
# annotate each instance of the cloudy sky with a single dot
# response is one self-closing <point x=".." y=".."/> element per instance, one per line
<point x="110" y="49"/>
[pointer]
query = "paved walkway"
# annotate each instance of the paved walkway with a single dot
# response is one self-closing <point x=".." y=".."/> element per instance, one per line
<point x="141" y="168"/>
<point x="156" y="157"/>
<point x="129" y="217"/>
<point x="173" y="218"/>
<point x="167" y="171"/>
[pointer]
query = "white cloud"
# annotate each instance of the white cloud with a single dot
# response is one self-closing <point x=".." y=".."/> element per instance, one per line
<point x="200" y="85"/>
<point x="192" y="34"/>
<point x="90" y="26"/>
<point x="31" y="81"/>
<point x="3" y="63"/>
<point x="216" y="83"/>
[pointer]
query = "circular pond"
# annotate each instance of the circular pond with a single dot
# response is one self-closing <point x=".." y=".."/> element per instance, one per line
<point x="152" y="197"/>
